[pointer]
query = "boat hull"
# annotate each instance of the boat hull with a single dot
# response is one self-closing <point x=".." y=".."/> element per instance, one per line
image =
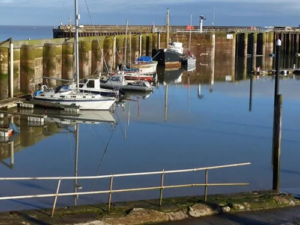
<point x="93" y="104"/>
<point x="127" y="87"/>
<point x="189" y="64"/>
<point x="167" y="57"/>
<point x="145" y="67"/>
<point x="142" y="77"/>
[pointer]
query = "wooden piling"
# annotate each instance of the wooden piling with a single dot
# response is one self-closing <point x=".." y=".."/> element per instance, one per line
<point x="135" y="46"/>
<point x="277" y="142"/>
<point x="120" y="43"/>
<point x="97" y="58"/>
<point x="67" y="60"/>
<point x="27" y="67"/>
<point x="4" y="61"/>
<point x="50" y="63"/>
<point x="144" y="45"/>
<point x="84" y="58"/>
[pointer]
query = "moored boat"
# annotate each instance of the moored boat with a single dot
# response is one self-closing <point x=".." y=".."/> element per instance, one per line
<point x="119" y="82"/>
<point x="70" y="94"/>
<point x="145" y="65"/>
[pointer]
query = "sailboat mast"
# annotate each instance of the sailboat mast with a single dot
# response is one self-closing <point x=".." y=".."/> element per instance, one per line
<point x="130" y="49"/>
<point x="190" y="38"/>
<point x="168" y="28"/>
<point x="77" y="17"/>
<point x="125" y="57"/>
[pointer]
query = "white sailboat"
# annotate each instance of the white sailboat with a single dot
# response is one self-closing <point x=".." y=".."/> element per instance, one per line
<point x="70" y="94"/>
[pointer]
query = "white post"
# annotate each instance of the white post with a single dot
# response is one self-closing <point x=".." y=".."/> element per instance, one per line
<point x="140" y="45"/>
<point x="158" y="40"/>
<point x="114" y="52"/>
<point x="11" y="71"/>
<point x="201" y="24"/>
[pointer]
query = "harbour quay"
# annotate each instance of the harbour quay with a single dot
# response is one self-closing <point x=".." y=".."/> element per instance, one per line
<point x="54" y="58"/>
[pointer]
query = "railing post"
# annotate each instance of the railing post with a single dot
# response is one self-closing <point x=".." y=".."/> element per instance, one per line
<point x="162" y="187"/>
<point x="110" y="191"/>
<point x="55" y="199"/>
<point x="206" y="181"/>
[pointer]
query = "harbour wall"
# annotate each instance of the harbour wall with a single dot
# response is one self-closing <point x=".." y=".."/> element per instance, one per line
<point x="54" y="58"/>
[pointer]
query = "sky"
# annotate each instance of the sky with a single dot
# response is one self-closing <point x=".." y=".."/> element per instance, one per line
<point x="147" y="12"/>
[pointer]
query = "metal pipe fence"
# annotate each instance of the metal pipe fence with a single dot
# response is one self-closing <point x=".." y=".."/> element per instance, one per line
<point x="110" y="191"/>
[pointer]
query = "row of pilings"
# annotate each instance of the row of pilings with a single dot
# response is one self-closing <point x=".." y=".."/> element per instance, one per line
<point x="35" y="59"/>
<point x="264" y="43"/>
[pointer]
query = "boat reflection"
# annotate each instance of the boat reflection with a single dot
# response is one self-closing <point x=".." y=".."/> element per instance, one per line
<point x="169" y="76"/>
<point x="68" y="120"/>
<point x="57" y="121"/>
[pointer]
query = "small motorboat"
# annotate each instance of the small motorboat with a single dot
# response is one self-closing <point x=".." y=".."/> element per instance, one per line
<point x="118" y="82"/>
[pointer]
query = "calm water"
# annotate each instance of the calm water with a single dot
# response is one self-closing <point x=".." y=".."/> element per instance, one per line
<point x="192" y="129"/>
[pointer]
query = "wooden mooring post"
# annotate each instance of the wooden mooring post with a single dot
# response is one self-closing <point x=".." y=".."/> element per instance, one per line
<point x="277" y="142"/>
<point x="276" y="146"/>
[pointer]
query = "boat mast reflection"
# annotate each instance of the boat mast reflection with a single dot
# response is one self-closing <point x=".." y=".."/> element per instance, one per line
<point x="86" y="117"/>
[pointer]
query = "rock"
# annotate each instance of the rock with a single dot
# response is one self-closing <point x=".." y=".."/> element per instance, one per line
<point x="281" y="200"/>
<point x="98" y="222"/>
<point x="138" y="216"/>
<point x="199" y="210"/>
<point x="292" y="203"/>
<point x="179" y="215"/>
<point x="238" y="207"/>
<point x="226" y="209"/>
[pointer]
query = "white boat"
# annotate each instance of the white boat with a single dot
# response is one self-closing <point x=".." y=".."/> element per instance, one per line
<point x="119" y="82"/>
<point x="70" y="94"/>
<point x="93" y="86"/>
<point x="145" y="65"/>
<point x="130" y="74"/>
<point x="176" y="46"/>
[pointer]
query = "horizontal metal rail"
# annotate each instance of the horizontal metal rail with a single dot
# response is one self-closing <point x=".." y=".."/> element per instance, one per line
<point x="111" y="191"/>
<point x="124" y="174"/>
<point x="120" y="190"/>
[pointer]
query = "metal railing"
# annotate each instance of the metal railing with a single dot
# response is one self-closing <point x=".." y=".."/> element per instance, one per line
<point x="113" y="176"/>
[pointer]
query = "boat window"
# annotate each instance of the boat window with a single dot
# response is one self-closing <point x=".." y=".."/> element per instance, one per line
<point x="62" y="96"/>
<point x="84" y="96"/>
<point x="62" y="88"/>
<point x="73" y="96"/>
<point x="146" y="83"/>
<point x="91" y="84"/>
<point x="115" y="79"/>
